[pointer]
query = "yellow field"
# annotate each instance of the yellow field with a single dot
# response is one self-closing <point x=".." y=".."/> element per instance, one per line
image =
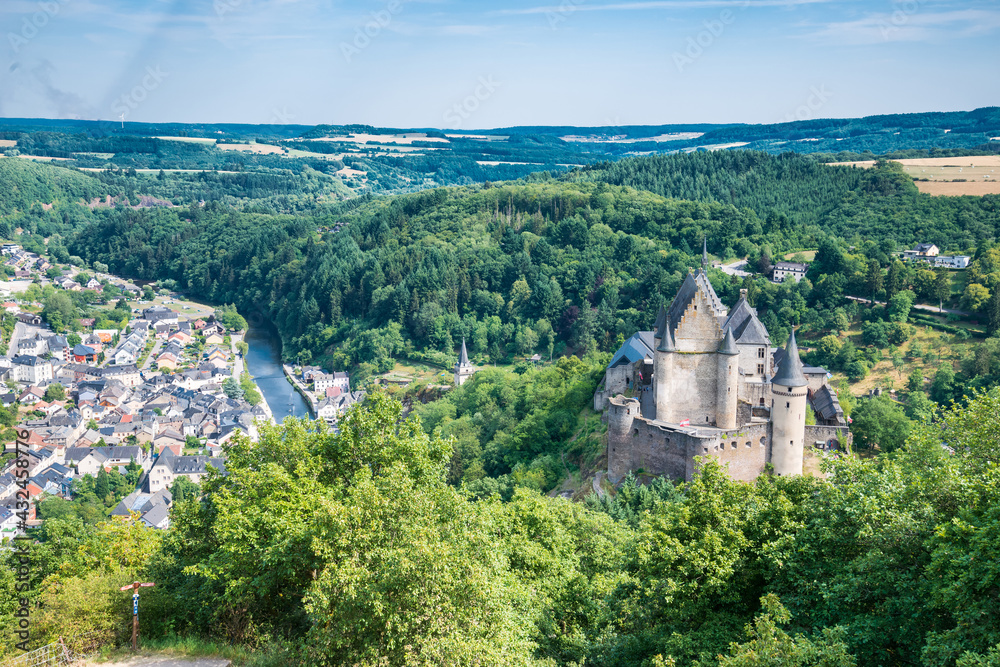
<point x="7" y="143"/>
<point x="957" y="189"/>
<point x="975" y="175"/>
<point x="407" y="138"/>
<point x="259" y="149"/>
<point x="195" y="140"/>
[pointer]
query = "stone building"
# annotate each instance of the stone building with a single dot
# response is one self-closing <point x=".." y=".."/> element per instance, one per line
<point x="707" y="382"/>
<point x="463" y="369"/>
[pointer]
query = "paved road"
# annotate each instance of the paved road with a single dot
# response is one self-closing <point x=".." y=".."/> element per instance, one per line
<point x="21" y="330"/>
<point x="919" y="306"/>
<point x="736" y="268"/>
<point x="152" y="354"/>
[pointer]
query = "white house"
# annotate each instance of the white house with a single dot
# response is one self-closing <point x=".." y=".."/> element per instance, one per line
<point x="31" y="369"/>
<point x="784" y="270"/>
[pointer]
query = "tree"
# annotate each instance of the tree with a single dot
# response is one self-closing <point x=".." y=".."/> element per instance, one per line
<point x="231" y="388"/>
<point x="915" y="381"/>
<point x="975" y="296"/>
<point x="874" y="279"/>
<point x="183" y="489"/>
<point x="55" y="392"/>
<point x="994" y="311"/>
<point x="879" y="421"/>
<point x="770" y="646"/>
<point x="943" y="385"/>
<point x="942" y="287"/>
<point x="242" y="348"/>
<point x="73" y="339"/>
<point x="894" y="279"/>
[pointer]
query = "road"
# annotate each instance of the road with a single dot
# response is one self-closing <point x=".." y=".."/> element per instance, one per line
<point x="919" y="306"/>
<point x="736" y="268"/>
<point x="152" y="354"/>
<point x="21" y="330"/>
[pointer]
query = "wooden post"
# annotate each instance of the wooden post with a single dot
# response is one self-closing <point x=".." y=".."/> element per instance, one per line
<point x="134" y="587"/>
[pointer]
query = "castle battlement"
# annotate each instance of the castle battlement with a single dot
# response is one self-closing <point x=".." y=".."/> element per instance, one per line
<point x="710" y="385"/>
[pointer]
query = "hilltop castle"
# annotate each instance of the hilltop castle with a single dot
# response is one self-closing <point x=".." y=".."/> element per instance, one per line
<point x="707" y="382"/>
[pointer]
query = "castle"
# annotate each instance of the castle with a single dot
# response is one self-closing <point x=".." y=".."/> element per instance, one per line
<point x="707" y="382"/>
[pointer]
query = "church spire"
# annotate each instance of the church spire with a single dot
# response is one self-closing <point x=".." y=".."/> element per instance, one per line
<point x="463" y="359"/>
<point x="704" y="254"/>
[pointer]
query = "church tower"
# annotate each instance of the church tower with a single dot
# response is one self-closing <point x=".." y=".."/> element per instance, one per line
<point x="788" y="412"/>
<point x="463" y="369"/>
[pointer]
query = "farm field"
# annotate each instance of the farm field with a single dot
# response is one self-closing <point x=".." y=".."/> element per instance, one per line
<point x="7" y="143"/>
<point x="258" y="149"/>
<point x="407" y="138"/>
<point x="974" y="175"/>
<point x="958" y="188"/>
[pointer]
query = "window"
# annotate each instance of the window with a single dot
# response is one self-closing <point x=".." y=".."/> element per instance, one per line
<point x="760" y="353"/>
<point x="760" y="369"/>
<point x="788" y="405"/>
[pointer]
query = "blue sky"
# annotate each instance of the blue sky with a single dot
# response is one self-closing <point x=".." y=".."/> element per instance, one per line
<point x="450" y="64"/>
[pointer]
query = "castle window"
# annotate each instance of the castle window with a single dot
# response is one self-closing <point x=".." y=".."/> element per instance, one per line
<point x="635" y="432"/>
<point x="734" y="445"/>
<point x="787" y="404"/>
<point x="706" y="450"/>
<point x="760" y="369"/>
<point x="760" y="353"/>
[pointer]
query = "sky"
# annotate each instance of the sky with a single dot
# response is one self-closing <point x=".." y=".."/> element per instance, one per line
<point x="467" y="64"/>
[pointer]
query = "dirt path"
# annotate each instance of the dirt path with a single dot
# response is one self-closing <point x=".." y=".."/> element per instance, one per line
<point x="161" y="661"/>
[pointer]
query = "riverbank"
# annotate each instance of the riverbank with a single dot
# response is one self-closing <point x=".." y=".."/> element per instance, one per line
<point x="299" y="387"/>
<point x="263" y="362"/>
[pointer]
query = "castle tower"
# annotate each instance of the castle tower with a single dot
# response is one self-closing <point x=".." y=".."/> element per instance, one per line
<point x="463" y="369"/>
<point x="727" y="383"/>
<point x="788" y="412"/>
<point x="663" y="373"/>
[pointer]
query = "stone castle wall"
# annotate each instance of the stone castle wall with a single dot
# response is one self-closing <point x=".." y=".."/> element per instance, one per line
<point x="636" y="443"/>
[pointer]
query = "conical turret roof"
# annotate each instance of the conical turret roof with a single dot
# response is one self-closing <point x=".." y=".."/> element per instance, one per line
<point x="666" y="342"/>
<point x="790" y="369"/>
<point x="661" y="319"/>
<point x="728" y="344"/>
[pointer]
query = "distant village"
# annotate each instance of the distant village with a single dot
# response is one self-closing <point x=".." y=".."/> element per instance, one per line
<point x="158" y="399"/>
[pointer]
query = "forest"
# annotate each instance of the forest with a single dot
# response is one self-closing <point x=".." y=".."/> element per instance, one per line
<point x="889" y="561"/>
<point x="432" y="524"/>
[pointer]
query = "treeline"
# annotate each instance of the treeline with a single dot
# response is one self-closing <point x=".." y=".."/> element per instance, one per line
<point x="350" y="548"/>
<point x="879" y="203"/>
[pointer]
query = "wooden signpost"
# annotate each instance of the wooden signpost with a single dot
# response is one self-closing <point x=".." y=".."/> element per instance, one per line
<point x="134" y="587"/>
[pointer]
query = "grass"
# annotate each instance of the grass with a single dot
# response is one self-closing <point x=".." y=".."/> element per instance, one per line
<point x="196" y="647"/>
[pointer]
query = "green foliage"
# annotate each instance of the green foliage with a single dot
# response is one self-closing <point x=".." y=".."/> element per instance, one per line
<point x="769" y="645"/>
<point x="880" y="422"/>
<point x="55" y="392"/>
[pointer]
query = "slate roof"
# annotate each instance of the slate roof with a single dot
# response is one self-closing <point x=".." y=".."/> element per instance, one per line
<point x="790" y="369"/>
<point x="747" y="328"/>
<point x="826" y="404"/>
<point x="636" y="348"/>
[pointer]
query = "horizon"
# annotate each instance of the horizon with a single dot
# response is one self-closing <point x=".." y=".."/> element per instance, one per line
<point x="465" y="66"/>
<point x="470" y="130"/>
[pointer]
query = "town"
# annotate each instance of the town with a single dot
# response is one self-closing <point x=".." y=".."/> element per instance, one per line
<point x="134" y="409"/>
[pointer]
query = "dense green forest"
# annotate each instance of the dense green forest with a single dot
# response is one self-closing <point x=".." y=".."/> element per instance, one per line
<point x="436" y="538"/>
<point x="351" y="548"/>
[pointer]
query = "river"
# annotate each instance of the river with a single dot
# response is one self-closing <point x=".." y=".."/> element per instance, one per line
<point x="264" y="363"/>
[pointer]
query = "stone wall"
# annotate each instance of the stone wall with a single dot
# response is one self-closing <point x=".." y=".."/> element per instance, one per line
<point x="691" y="390"/>
<point x="825" y="434"/>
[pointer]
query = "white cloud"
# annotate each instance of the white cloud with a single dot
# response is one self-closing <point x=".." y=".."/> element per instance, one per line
<point x="916" y="26"/>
